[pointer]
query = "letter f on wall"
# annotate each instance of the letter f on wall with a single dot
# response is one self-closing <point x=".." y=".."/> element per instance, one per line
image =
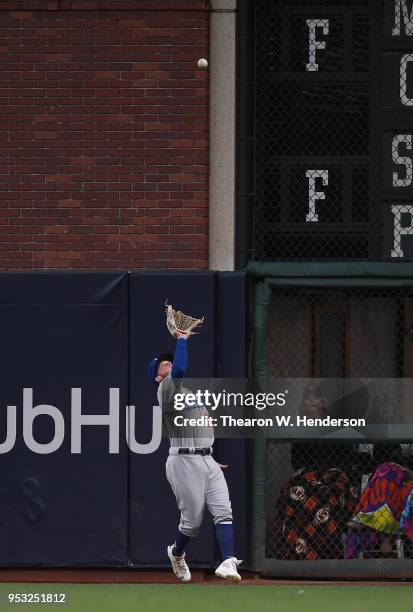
<point x="314" y="195"/>
<point x="313" y="43"/>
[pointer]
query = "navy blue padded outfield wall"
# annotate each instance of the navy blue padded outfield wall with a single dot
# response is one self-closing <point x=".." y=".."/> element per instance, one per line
<point x="95" y="331"/>
<point x="62" y="331"/>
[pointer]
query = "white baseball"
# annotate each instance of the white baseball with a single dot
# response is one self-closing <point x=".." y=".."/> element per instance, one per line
<point x="202" y="63"/>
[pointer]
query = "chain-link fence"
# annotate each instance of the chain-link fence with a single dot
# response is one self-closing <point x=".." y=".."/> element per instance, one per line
<point x="337" y="500"/>
<point x="350" y="499"/>
<point x="324" y="131"/>
<point x="314" y="177"/>
<point x="330" y="168"/>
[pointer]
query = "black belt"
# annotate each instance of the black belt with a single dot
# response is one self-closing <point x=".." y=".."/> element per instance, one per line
<point x="197" y="451"/>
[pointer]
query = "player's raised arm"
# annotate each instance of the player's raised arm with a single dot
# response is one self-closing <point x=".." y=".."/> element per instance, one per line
<point x="180" y="360"/>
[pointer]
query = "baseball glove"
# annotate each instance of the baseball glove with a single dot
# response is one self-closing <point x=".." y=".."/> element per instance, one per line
<point x="177" y="321"/>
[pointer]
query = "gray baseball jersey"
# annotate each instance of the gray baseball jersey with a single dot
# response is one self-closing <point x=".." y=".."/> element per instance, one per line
<point x="185" y="436"/>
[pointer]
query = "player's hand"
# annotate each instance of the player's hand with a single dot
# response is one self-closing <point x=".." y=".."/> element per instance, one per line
<point x="180" y="334"/>
<point x="222" y="466"/>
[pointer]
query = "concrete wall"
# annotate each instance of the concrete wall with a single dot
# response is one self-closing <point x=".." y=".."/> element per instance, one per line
<point x="222" y="135"/>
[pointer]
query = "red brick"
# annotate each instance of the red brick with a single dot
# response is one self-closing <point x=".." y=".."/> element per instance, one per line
<point x="82" y="160"/>
<point x="19" y="14"/>
<point x="43" y="119"/>
<point x="69" y="255"/>
<point x="44" y="255"/>
<point x="69" y="203"/>
<point x="57" y="178"/>
<point x="57" y="229"/>
<point x="45" y="135"/>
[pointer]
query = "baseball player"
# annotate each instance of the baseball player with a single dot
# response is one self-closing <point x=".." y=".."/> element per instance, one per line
<point x="196" y="478"/>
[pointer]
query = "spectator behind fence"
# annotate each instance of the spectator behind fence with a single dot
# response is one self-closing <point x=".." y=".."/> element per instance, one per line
<point x="385" y="507"/>
<point x="318" y="500"/>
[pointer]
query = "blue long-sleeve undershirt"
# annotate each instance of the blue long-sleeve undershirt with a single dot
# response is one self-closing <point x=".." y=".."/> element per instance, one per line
<point x="180" y="362"/>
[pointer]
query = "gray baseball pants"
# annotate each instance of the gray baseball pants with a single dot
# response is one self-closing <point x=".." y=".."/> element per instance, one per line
<point x="196" y="481"/>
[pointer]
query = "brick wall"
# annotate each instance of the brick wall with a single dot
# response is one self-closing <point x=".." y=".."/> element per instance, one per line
<point x="103" y="134"/>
